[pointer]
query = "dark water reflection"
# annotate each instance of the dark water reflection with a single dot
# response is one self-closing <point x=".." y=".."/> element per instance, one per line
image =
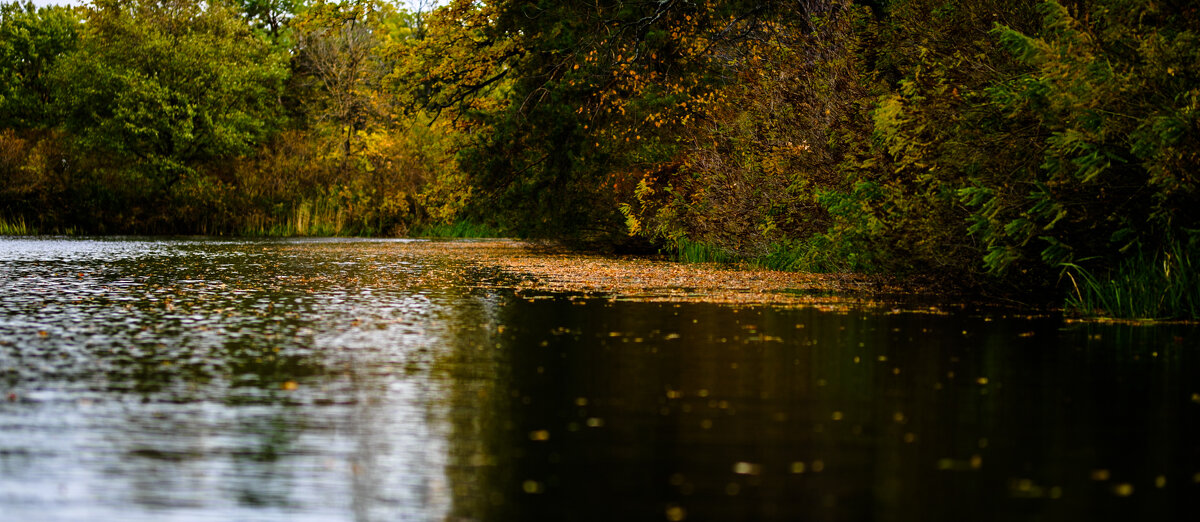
<point x="374" y="380"/>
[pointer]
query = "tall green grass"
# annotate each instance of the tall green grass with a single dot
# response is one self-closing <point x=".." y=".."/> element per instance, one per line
<point x="16" y="227"/>
<point x="687" y="251"/>
<point x="1158" y="286"/>
<point x="816" y="254"/>
<point x="321" y="216"/>
<point x="788" y="256"/>
<point x="458" y="229"/>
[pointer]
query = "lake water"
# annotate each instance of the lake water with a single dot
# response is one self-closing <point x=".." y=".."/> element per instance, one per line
<point x="199" y="379"/>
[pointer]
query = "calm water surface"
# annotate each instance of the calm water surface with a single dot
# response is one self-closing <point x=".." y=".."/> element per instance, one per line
<point x="371" y="380"/>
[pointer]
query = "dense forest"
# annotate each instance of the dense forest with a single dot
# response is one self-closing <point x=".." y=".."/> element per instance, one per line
<point x="1041" y="146"/>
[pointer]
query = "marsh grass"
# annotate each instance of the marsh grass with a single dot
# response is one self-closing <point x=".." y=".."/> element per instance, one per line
<point x="811" y="255"/>
<point x="799" y="256"/>
<point x="1154" y="286"/>
<point x="321" y="216"/>
<point x="457" y="230"/>
<point x="15" y="227"/>
<point x="696" y="252"/>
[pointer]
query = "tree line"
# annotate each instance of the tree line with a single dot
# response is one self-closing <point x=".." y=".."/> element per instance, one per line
<point x="1025" y="144"/>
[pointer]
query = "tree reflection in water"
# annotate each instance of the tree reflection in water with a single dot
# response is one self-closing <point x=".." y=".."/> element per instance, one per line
<point x="625" y="410"/>
<point x="374" y="380"/>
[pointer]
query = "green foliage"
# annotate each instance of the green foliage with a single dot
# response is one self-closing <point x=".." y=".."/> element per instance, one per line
<point x="15" y="228"/>
<point x="330" y="214"/>
<point x="1114" y="103"/>
<point x="270" y="16"/>
<point x="31" y="41"/>
<point x="989" y="146"/>
<point x="768" y="144"/>
<point x="1159" y="285"/>
<point x="169" y="85"/>
<point x="35" y="186"/>
<point x="139" y="111"/>
<point x="186" y="116"/>
<point x="693" y="252"/>
<point x="458" y="229"/>
<point x="991" y="142"/>
<point x="571" y="105"/>
<point x="339" y="46"/>
<point x="936" y="132"/>
<point x="815" y="254"/>
<point x="456" y="63"/>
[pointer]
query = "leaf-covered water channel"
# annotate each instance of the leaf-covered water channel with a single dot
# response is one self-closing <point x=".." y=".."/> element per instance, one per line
<point x="391" y="380"/>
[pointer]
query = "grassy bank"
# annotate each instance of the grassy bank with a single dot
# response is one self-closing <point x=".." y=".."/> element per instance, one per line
<point x="15" y="227"/>
<point x="458" y="229"/>
<point x="686" y="251"/>
<point x="1150" y="286"/>
<point x="312" y="217"/>
<point x="1160" y="285"/>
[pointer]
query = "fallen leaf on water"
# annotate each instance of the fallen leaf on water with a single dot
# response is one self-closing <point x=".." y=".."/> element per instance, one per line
<point x="747" y="468"/>
<point x="676" y="513"/>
